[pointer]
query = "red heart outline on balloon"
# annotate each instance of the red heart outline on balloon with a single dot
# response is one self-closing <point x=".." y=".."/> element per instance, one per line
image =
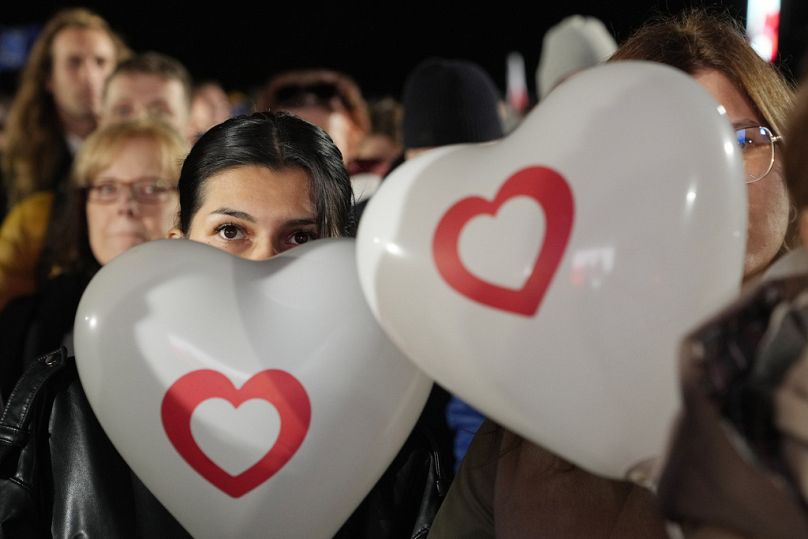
<point x="275" y="386"/>
<point x="553" y="194"/>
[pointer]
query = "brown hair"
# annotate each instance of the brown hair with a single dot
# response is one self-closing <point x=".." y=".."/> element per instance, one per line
<point x="697" y="40"/>
<point x="34" y="135"/>
<point x="158" y="64"/>
<point x="795" y="160"/>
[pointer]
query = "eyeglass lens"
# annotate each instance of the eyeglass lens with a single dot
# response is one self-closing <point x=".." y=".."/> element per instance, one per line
<point x="757" y="148"/>
<point x="148" y="191"/>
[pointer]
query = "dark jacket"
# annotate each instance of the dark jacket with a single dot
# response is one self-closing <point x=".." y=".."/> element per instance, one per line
<point x="90" y="490"/>
<point x="94" y="493"/>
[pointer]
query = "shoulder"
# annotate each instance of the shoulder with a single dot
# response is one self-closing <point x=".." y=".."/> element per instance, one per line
<point x="30" y="216"/>
<point x="41" y="201"/>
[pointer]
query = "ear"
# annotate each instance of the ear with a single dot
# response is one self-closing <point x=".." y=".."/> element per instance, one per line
<point x="175" y="234"/>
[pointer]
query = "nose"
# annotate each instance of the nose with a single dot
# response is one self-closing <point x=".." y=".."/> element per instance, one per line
<point x="126" y="203"/>
<point x="262" y="250"/>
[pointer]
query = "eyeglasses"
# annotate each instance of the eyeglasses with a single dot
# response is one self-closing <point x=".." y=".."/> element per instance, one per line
<point x="757" y="149"/>
<point x="145" y="190"/>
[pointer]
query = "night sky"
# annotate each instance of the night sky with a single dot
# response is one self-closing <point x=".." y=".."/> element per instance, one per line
<point x="377" y="43"/>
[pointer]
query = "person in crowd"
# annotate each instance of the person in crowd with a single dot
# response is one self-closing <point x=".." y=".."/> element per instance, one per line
<point x="149" y="84"/>
<point x="280" y="190"/>
<point x="55" y="108"/>
<point x="258" y="185"/>
<point x="329" y="99"/>
<point x="58" y="100"/>
<point x="796" y="163"/>
<point x="708" y="485"/>
<point x="449" y="101"/>
<point x="383" y="144"/>
<point x="210" y="106"/>
<point x="446" y="101"/>
<point x="253" y="186"/>
<point x="122" y="193"/>
<point x="575" y="43"/>
<point x="380" y="149"/>
<point x="510" y="487"/>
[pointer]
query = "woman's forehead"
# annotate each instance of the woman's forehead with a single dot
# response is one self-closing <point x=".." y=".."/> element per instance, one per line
<point x="259" y="187"/>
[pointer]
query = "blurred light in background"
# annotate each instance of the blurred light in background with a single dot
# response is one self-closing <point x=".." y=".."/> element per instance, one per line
<point x="763" y="26"/>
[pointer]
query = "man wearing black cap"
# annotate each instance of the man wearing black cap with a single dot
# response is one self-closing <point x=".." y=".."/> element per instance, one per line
<point x="448" y="101"/>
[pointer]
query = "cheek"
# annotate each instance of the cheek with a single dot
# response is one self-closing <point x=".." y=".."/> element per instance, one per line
<point x="768" y="215"/>
<point x="161" y="220"/>
<point x="340" y="130"/>
<point x="96" y="221"/>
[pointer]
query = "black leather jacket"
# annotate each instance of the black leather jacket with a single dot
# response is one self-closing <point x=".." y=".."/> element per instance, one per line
<point x="91" y="492"/>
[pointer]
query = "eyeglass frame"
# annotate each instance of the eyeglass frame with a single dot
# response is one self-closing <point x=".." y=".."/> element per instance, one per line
<point x="167" y="187"/>
<point x="774" y="139"/>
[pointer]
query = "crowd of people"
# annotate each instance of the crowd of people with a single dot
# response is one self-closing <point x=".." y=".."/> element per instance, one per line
<point x="106" y="148"/>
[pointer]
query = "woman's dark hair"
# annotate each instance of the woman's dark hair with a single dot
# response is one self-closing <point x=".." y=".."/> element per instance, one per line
<point x="276" y="140"/>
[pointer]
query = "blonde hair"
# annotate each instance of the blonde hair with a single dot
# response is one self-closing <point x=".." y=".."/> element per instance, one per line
<point x="103" y="146"/>
<point x="33" y="153"/>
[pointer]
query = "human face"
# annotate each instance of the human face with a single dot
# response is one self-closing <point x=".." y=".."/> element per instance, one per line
<point x="255" y="212"/>
<point x="337" y="124"/>
<point x="82" y="60"/>
<point x="140" y="95"/>
<point x="116" y="226"/>
<point x="768" y="202"/>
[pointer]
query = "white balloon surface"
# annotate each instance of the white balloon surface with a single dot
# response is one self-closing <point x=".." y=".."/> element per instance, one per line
<point x="547" y="278"/>
<point x="254" y="399"/>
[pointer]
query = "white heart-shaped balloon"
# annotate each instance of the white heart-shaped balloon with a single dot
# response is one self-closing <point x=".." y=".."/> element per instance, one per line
<point x="254" y="399"/>
<point x="548" y="278"/>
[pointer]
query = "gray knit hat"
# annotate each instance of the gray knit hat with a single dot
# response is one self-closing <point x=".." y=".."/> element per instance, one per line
<point x="449" y="102"/>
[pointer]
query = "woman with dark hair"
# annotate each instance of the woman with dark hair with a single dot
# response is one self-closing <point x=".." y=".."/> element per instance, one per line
<point x="510" y="487"/>
<point x="253" y="186"/>
<point x="258" y="185"/>
<point x="261" y="184"/>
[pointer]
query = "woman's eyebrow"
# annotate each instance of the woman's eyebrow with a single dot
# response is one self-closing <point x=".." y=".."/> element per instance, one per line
<point x="745" y="122"/>
<point x="233" y="213"/>
<point x="302" y="221"/>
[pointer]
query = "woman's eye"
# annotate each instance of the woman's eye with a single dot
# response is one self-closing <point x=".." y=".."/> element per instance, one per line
<point x="107" y="188"/>
<point x="301" y="237"/>
<point x="230" y="232"/>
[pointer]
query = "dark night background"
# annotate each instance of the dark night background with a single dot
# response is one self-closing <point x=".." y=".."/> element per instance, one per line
<point x="242" y="43"/>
